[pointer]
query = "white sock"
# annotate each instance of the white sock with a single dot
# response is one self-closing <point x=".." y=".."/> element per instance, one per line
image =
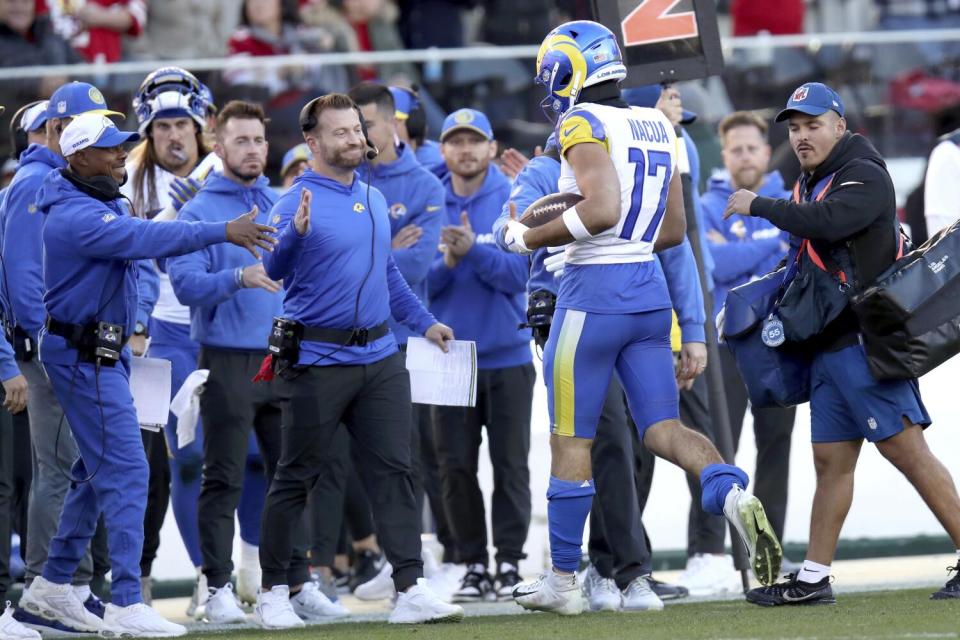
<point x="249" y="555"/>
<point x="813" y="572"/>
<point x="83" y="591"/>
<point x="506" y="567"/>
<point x="476" y="567"/>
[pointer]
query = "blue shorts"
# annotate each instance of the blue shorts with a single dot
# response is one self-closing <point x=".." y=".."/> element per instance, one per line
<point x="582" y="354"/>
<point x="847" y="403"/>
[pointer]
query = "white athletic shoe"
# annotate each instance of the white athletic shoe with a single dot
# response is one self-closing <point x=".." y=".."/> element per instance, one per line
<point x="222" y="606"/>
<point x="274" y="609"/>
<point x="312" y="604"/>
<point x="430" y="564"/>
<point x="11" y="629"/>
<point x="710" y="575"/>
<point x="199" y="597"/>
<point x="248" y="573"/>
<point x="380" y="587"/>
<point x="60" y="603"/>
<point x="551" y="592"/>
<point x="445" y="582"/>
<point x="420" y="604"/>
<point x="745" y="512"/>
<point x="602" y="593"/>
<point x="138" y="621"/>
<point x="638" y="596"/>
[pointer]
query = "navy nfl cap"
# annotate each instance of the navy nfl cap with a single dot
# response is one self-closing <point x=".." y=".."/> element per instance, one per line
<point x="813" y="99"/>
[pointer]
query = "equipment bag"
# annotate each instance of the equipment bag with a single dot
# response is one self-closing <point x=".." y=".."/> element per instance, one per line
<point x="775" y="376"/>
<point x="910" y="316"/>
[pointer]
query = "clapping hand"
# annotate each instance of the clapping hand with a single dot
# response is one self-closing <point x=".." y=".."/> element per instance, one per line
<point x="301" y="221"/>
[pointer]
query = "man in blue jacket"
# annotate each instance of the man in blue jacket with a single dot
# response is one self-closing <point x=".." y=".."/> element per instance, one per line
<point x="22" y="255"/>
<point x="339" y="362"/>
<point x="412" y="130"/>
<point x="478" y="290"/>
<point x="91" y="242"/>
<point x="745" y="248"/>
<point x="232" y="305"/>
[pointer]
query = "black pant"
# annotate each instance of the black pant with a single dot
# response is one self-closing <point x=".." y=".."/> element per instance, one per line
<point x="15" y="473"/>
<point x="622" y="470"/>
<point x="773" y="429"/>
<point x="430" y="479"/>
<point x="158" y="496"/>
<point x="373" y="401"/>
<point x="231" y="404"/>
<point x="706" y="533"/>
<point x="504" y="398"/>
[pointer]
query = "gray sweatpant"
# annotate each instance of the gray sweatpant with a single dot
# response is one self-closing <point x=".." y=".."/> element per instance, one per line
<point x="53" y="455"/>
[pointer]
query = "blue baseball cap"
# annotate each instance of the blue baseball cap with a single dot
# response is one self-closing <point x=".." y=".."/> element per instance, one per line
<point x="34" y="116"/>
<point x="74" y="98"/>
<point x="301" y="152"/>
<point x="813" y="99"/>
<point x="93" y="130"/>
<point x="647" y="96"/>
<point x="466" y="119"/>
<point x="405" y="102"/>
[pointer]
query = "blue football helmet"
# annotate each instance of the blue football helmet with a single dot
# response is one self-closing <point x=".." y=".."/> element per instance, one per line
<point x="574" y="56"/>
<point x="169" y="92"/>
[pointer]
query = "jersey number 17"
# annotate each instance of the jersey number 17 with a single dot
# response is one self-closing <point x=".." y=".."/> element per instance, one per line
<point x="647" y="163"/>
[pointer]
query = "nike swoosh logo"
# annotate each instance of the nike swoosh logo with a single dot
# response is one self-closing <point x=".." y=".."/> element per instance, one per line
<point x="431" y="208"/>
<point x="789" y="598"/>
<point x="843" y="184"/>
<point x="570" y="130"/>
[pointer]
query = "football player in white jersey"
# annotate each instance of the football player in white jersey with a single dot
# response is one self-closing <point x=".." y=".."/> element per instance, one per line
<point x="613" y="308"/>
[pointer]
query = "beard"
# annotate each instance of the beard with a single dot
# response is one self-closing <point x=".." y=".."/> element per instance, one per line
<point x="247" y="176"/>
<point x="340" y="159"/>
<point x="749" y="179"/>
<point x="469" y="170"/>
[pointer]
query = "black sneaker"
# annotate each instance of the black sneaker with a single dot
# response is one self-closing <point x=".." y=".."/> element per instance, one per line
<point x="505" y="583"/>
<point x="792" y="591"/>
<point x="476" y="586"/>
<point x="666" y="591"/>
<point x="365" y="568"/>
<point x="952" y="588"/>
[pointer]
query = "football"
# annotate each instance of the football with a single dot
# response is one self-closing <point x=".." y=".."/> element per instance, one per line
<point x="548" y="208"/>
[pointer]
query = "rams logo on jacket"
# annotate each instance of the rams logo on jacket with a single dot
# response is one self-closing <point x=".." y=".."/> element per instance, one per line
<point x="398" y="210"/>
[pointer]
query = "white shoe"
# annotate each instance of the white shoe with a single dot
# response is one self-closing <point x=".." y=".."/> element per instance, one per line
<point x="380" y="587"/>
<point x="430" y="564"/>
<point x="710" y="575"/>
<point x="551" y="592"/>
<point x="198" y="600"/>
<point x="420" y="604"/>
<point x="638" y="596"/>
<point x="138" y="621"/>
<point x="446" y="580"/>
<point x="602" y="593"/>
<point x="11" y="629"/>
<point x="222" y="606"/>
<point x="274" y="609"/>
<point x="60" y="603"/>
<point x="312" y="604"/>
<point x="249" y="574"/>
<point x="747" y="516"/>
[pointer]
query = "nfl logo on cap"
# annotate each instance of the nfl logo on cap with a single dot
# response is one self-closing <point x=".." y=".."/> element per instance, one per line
<point x="800" y="94"/>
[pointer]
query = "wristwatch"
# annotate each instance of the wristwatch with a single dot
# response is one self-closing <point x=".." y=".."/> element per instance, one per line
<point x="141" y="330"/>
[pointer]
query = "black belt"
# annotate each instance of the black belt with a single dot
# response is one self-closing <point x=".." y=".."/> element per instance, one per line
<point x="76" y="334"/>
<point x="346" y="337"/>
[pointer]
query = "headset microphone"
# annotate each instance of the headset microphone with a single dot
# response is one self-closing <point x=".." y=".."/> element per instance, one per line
<point x="372" y="151"/>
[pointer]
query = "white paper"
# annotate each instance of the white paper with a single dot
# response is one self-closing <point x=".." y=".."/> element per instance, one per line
<point x="150" y="386"/>
<point x="448" y="379"/>
<point x="186" y="406"/>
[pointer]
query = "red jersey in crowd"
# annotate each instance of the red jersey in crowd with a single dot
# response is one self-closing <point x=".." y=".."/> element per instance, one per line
<point x="96" y="44"/>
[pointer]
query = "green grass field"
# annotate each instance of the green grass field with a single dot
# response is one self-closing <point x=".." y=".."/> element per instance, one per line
<point x="882" y="614"/>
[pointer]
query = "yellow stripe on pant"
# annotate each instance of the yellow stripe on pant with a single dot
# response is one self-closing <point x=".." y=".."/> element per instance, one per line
<point x="564" y="360"/>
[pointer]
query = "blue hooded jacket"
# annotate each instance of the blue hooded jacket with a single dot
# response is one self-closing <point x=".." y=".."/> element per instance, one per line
<point x="753" y="245"/>
<point x="222" y="314"/>
<point x="482" y="297"/>
<point x="90" y="249"/>
<point x="414" y="196"/>
<point x="8" y="364"/>
<point x="428" y="155"/>
<point x="22" y="244"/>
<point x="328" y="276"/>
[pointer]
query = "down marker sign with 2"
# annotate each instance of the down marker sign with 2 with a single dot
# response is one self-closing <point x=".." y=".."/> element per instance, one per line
<point x="651" y="22"/>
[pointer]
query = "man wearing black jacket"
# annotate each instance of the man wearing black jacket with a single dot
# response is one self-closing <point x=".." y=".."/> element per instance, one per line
<point x="843" y="221"/>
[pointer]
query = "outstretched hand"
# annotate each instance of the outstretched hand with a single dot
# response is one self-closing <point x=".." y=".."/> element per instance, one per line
<point x="301" y="221"/>
<point x="245" y="232"/>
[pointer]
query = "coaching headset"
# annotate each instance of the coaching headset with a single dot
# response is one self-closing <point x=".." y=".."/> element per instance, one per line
<point x="308" y="122"/>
